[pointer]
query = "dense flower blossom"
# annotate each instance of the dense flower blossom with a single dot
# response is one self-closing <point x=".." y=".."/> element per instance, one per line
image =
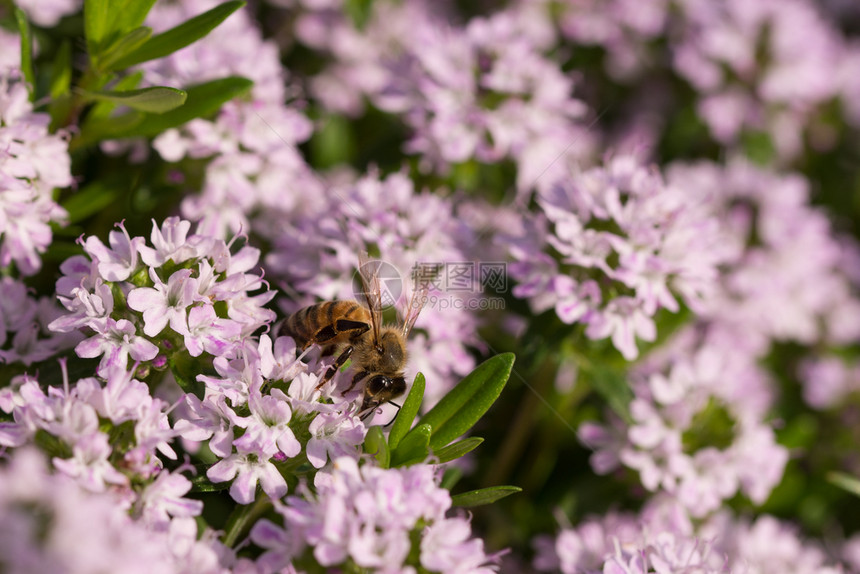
<point x="368" y="515"/>
<point x="32" y="163"/>
<point x="252" y="144"/>
<point x="696" y="430"/>
<point x="24" y="334"/>
<point x="663" y="539"/>
<point x="159" y="295"/>
<point x="484" y="91"/>
<point x="788" y="277"/>
<point x="629" y="244"/>
<point x="49" y="524"/>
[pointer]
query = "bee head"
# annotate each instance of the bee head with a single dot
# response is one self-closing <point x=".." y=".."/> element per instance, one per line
<point x="380" y="389"/>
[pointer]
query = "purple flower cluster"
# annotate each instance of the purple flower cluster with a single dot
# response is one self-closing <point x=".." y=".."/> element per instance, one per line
<point x="628" y="244"/>
<point x="254" y="409"/>
<point x="127" y="294"/>
<point x="697" y="427"/>
<point x="662" y="538"/>
<point x="788" y="277"/>
<point x="32" y="163"/>
<point x="482" y="92"/>
<point x="24" y="334"/>
<point x="49" y="524"/>
<point x="252" y="144"/>
<point x="374" y="518"/>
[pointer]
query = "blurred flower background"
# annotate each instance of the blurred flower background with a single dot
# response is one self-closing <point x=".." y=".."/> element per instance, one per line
<point x="654" y="205"/>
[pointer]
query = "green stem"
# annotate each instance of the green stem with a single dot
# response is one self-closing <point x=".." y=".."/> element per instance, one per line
<point x="242" y="518"/>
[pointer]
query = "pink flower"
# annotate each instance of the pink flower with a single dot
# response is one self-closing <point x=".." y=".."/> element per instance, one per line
<point x="247" y="469"/>
<point x="334" y="434"/>
<point x="165" y="303"/>
<point x="115" y="344"/>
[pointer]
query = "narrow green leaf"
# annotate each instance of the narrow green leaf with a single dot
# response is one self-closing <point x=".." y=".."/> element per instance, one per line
<point x="129" y="14"/>
<point x="158" y="99"/>
<point x="89" y="200"/>
<point x="61" y="70"/>
<point x="26" y="49"/>
<point x="203" y="100"/>
<point x="124" y="46"/>
<point x="612" y="386"/>
<point x="845" y="482"/>
<point x="466" y="403"/>
<point x="483" y="496"/>
<point x="103" y="109"/>
<point x="177" y="38"/>
<point x="96" y="24"/>
<point x="457" y="449"/>
<point x="376" y="446"/>
<point x="413" y="448"/>
<point x="407" y="413"/>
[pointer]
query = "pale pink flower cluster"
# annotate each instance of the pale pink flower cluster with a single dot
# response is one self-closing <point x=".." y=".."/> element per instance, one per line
<point x="127" y="294"/>
<point x="254" y="408"/>
<point x="73" y="415"/>
<point x="629" y="245"/>
<point x="697" y="429"/>
<point x="369" y="516"/>
<point x="662" y="538"/>
<point x="32" y="163"/>
<point x="49" y="524"/>
<point x="255" y="165"/>
<point x="788" y="277"/>
<point x="483" y="91"/>
<point x="24" y="334"/>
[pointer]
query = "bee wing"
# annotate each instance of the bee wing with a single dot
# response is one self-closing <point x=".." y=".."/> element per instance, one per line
<point x="416" y="304"/>
<point x="368" y="269"/>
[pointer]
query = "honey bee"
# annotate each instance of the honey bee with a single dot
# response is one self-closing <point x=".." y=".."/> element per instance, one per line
<point x="378" y="351"/>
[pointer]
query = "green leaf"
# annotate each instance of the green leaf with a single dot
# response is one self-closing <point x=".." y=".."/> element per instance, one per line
<point x="457" y="449"/>
<point x="413" y="448"/>
<point x="104" y="108"/>
<point x="96" y="24"/>
<point x="158" y="99"/>
<point x="129" y="14"/>
<point x="483" y="496"/>
<point x="89" y="200"/>
<point x="466" y="403"/>
<point x="203" y="100"/>
<point x="177" y="38"/>
<point x="26" y="49"/>
<point x="123" y="46"/>
<point x="375" y="445"/>
<point x="407" y="413"/>
<point x="61" y="70"/>
<point x="612" y="386"/>
<point x="845" y="482"/>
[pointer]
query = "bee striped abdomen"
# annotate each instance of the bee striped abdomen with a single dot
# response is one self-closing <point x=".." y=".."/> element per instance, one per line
<point x="331" y="322"/>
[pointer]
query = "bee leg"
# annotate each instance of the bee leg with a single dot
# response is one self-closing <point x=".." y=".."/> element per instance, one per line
<point x="338" y="363"/>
